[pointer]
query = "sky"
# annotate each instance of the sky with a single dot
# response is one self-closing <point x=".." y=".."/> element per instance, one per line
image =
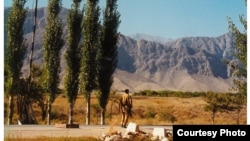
<point x="170" y="18"/>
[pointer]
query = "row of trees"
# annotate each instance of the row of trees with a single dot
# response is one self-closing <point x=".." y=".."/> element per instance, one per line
<point x="91" y="56"/>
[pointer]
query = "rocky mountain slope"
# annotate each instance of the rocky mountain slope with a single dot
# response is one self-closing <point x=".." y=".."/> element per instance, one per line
<point x="184" y="64"/>
<point x="188" y="64"/>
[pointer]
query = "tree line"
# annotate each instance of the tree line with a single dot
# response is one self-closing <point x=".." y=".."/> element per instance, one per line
<point x="91" y="58"/>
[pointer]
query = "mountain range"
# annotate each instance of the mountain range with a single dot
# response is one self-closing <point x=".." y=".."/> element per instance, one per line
<point x="183" y="64"/>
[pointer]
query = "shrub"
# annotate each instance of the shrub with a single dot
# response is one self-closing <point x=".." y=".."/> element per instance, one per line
<point x="150" y="112"/>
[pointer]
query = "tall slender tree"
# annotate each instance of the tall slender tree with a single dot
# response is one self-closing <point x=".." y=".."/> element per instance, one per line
<point x="239" y="67"/>
<point x="15" y="50"/>
<point x="73" y="56"/>
<point x="107" y="53"/>
<point x="52" y="44"/>
<point x="90" y="44"/>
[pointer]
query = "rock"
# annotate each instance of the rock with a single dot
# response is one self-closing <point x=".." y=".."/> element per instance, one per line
<point x="155" y="138"/>
<point x="114" y="138"/>
<point x="133" y="127"/>
<point x="164" y="139"/>
<point x="160" y="132"/>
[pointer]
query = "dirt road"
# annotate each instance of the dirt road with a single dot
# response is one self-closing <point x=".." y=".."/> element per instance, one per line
<point x="33" y="131"/>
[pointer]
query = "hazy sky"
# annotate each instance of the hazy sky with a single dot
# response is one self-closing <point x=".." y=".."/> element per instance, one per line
<point x="171" y="18"/>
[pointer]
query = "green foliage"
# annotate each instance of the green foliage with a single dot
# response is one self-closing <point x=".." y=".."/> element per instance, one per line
<point x="167" y="116"/>
<point x="150" y="112"/>
<point x="238" y="101"/>
<point x="239" y="66"/>
<point x="52" y="44"/>
<point x="90" y="34"/>
<point x="168" y="93"/>
<point x="72" y="55"/>
<point x="90" y="45"/>
<point x="37" y="88"/>
<point x="30" y="92"/>
<point x="107" y="52"/>
<point x="216" y="102"/>
<point x="15" y="45"/>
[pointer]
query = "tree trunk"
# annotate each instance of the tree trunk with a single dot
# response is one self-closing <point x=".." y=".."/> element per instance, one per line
<point x="48" y="113"/>
<point x="88" y="109"/>
<point x="11" y="105"/>
<point x="238" y="117"/>
<point x="103" y="116"/>
<point x="43" y="109"/>
<point x="213" y="116"/>
<point x="33" y="118"/>
<point x="43" y="115"/>
<point x="32" y="44"/>
<point x="111" y="107"/>
<point x="70" y="113"/>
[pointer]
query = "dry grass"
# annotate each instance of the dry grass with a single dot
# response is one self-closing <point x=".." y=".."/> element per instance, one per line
<point x="53" y="139"/>
<point x="185" y="110"/>
<point x="146" y="111"/>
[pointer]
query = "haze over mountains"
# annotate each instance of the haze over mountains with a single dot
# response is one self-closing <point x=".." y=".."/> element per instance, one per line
<point x="143" y="36"/>
<point x="184" y="64"/>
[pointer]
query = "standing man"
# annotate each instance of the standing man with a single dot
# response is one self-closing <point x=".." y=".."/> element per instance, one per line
<point x="126" y="106"/>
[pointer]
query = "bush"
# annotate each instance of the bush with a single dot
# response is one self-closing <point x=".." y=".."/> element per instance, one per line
<point x="150" y="112"/>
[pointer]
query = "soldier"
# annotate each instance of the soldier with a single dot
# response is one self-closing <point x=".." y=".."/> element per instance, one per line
<point x="125" y="105"/>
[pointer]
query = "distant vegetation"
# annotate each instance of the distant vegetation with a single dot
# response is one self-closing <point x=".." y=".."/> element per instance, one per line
<point x="168" y="93"/>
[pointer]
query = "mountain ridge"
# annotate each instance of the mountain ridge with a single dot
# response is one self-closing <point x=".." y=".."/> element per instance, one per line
<point x="197" y="59"/>
<point x="183" y="64"/>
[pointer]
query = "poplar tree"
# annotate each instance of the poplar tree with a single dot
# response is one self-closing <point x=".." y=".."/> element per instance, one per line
<point x="52" y="44"/>
<point x="73" y="56"/>
<point x="90" y="44"/>
<point x="107" y="53"/>
<point x="15" y="51"/>
<point x="239" y="67"/>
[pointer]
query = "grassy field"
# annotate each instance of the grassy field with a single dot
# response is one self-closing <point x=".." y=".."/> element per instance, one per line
<point x="146" y="111"/>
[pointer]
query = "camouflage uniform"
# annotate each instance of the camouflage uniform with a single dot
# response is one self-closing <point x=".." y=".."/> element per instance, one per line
<point x="126" y="106"/>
